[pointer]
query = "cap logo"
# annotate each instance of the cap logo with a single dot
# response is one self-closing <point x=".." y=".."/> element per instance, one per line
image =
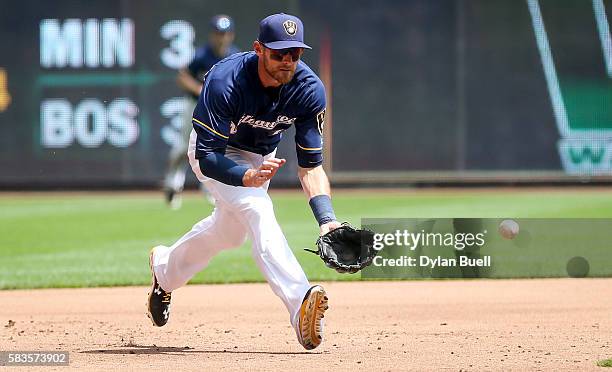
<point x="223" y="23"/>
<point x="290" y="27"/>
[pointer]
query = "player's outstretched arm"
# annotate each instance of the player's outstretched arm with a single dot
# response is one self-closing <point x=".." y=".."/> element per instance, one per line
<point x="316" y="187"/>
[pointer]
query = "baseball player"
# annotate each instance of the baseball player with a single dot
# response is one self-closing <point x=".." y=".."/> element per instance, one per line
<point x="190" y="80"/>
<point x="247" y="101"/>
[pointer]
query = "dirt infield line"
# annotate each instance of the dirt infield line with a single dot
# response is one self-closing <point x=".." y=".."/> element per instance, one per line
<point x="419" y="325"/>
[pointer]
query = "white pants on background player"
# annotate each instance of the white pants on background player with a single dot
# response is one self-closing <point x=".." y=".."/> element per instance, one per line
<point x="175" y="174"/>
<point x="240" y="212"/>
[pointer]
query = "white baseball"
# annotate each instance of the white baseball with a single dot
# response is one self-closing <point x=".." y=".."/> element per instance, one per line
<point x="509" y="229"/>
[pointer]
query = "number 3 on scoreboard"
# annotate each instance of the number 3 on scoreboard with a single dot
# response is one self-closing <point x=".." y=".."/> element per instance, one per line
<point x="181" y="50"/>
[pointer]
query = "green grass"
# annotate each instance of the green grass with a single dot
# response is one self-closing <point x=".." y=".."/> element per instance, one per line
<point x="75" y="240"/>
<point x="605" y="363"/>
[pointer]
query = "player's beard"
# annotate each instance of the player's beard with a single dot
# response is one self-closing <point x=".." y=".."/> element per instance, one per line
<point x="282" y="76"/>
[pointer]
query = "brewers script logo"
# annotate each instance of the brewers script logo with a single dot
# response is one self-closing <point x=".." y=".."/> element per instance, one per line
<point x="290" y="27"/>
<point x="581" y="104"/>
<point x="283" y="120"/>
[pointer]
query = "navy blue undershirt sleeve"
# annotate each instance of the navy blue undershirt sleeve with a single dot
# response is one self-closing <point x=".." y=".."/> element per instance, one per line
<point x="222" y="169"/>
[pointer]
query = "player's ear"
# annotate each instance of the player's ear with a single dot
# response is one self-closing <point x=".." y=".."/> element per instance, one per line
<point x="258" y="48"/>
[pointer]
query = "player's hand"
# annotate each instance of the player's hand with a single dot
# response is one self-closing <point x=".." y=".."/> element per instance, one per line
<point x="327" y="227"/>
<point x="272" y="165"/>
<point x="267" y="170"/>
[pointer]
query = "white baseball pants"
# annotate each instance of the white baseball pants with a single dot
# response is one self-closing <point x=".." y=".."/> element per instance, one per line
<point x="175" y="174"/>
<point x="240" y="212"/>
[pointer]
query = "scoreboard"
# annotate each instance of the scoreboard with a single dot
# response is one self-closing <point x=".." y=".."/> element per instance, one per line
<point x="68" y="116"/>
<point x="422" y="89"/>
<point x="88" y="93"/>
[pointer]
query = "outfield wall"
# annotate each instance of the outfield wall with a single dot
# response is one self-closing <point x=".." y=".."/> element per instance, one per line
<point x="505" y="89"/>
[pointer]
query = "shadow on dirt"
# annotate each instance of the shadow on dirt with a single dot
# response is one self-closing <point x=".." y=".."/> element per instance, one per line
<point x="170" y="350"/>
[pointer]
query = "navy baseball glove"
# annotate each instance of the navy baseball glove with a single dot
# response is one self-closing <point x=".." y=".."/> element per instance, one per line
<point x="346" y="249"/>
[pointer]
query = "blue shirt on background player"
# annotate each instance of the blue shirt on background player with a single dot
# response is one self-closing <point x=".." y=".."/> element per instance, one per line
<point x="205" y="58"/>
<point x="219" y="46"/>
<point x="190" y="79"/>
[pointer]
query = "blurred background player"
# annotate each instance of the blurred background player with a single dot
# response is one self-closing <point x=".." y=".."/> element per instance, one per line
<point x="190" y="79"/>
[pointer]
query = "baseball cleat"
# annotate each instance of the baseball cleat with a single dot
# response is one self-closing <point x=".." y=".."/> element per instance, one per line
<point x="158" y="304"/>
<point x="310" y="323"/>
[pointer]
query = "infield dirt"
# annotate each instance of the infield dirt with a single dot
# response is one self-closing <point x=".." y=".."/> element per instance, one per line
<point x="456" y="325"/>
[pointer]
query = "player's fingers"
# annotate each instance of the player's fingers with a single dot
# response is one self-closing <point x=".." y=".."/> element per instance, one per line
<point x="269" y="165"/>
<point x="260" y="177"/>
<point x="280" y="162"/>
<point x="273" y="167"/>
<point x="264" y="172"/>
<point x="263" y="177"/>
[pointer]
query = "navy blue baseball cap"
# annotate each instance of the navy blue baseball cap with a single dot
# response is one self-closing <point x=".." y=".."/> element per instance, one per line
<point x="222" y="23"/>
<point x="280" y="31"/>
